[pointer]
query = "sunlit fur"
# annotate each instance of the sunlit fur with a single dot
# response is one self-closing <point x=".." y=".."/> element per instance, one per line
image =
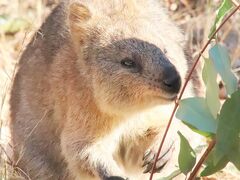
<point x="75" y="109"/>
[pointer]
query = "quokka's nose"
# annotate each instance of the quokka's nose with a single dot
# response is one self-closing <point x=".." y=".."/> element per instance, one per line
<point x="171" y="81"/>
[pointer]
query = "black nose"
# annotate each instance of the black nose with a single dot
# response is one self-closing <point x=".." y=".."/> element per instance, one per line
<point x="171" y="80"/>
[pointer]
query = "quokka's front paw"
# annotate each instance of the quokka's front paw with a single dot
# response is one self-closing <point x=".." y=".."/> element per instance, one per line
<point x="150" y="155"/>
<point x="116" y="178"/>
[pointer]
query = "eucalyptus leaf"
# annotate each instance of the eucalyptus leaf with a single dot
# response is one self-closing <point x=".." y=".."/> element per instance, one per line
<point x="228" y="131"/>
<point x="203" y="133"/>
<point x="224" y="8"/>
<point x="211" y="167"/>
<point x="172" y="175"/>
<point x="195" y="112"/>
<point x="187" y="156"/>
<point x="222" y="63"/>
<point x="209" y="75"/>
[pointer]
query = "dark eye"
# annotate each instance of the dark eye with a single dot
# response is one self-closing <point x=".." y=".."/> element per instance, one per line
<point x="128" y="63"/>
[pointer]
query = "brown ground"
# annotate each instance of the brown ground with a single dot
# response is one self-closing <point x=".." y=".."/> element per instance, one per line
<point x="19" y="19"/>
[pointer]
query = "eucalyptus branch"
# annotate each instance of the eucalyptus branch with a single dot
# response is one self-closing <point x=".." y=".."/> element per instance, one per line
<point x="202" y="159"/>
<point x="184" y="87"/>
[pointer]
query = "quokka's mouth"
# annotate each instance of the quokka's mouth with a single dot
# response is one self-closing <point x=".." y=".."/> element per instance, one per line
<point x="167" y="97"/>
<point x="171" y="98"/>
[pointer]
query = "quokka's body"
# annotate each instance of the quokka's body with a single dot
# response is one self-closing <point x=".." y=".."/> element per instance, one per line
<point x="94" y="89"/>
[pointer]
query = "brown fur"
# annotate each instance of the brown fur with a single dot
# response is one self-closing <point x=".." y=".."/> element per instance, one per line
<point x="76" y="112"/>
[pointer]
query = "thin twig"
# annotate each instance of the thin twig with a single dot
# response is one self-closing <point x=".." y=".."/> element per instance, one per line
<point x="6" y="154"/>
<point x="22" y="172"/>
<point x="202" y="159"/>
<point x="235" y="3"/>
<point x="185" y="85"/>
<point x="10" y="163"/>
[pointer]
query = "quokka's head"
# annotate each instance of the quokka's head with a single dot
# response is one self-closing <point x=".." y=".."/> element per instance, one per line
<point x="129" y="51"/>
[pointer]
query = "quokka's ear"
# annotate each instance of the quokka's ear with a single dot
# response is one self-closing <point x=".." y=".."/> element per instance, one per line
<point x="78" y="17"/>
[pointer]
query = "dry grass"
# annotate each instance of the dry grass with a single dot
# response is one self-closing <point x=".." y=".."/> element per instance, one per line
<point x="29" y="14"/>
<point x="14" y="37"/>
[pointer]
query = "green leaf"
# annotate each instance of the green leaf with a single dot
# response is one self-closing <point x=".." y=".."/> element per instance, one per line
<point x="211" y="167"/>
<point x="228" y="132"/>
<point x="187" y="156"/>
<point x="172" y="175"/>
<point x="221" y="61"/>
<point x="195" y="112"/>
<point x="203" y="133"/>
<point x="224" y="8"/>
<point x="209" y="75"/>
<point x="227" y="148"/>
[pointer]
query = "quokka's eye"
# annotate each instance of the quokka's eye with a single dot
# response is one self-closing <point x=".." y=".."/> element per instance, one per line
<point x="128" y="63"/>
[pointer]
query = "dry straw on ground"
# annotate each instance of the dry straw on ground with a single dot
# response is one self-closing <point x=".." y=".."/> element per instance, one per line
<point x="19" y="19"/>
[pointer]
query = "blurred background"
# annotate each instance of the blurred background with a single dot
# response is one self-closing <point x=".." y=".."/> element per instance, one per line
<point x="19" y="19"/>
